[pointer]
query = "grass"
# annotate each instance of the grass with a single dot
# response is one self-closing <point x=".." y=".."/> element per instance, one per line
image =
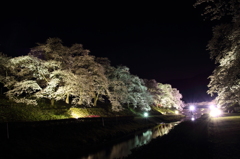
<point x="224" y="136"/>
<point x="164" y="110"/>
<point x="11" y="111"/>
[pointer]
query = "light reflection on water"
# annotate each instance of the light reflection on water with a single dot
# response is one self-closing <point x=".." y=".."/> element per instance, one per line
<point x="123" y="149"/>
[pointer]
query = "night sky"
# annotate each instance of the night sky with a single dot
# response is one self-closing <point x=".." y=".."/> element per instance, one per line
<point x="163" y="41"/>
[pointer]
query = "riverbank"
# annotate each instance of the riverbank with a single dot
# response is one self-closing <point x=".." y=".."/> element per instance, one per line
<point x="215" y="138"/>
<point x="68" y="140"/>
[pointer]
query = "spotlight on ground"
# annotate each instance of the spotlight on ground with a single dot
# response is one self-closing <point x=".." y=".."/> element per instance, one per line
<point x="192" y="118"/>
<point x="145" y="114"/>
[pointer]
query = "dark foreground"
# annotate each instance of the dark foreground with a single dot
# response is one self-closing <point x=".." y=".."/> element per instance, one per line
<point x="69" y="139"/>
<point x="216" y="138"/>
<point x="205" y="138"/>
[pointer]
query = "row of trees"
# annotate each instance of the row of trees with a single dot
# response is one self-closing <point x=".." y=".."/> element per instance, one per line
<point x="224" y="49"/>
<point x="57" y="72"/>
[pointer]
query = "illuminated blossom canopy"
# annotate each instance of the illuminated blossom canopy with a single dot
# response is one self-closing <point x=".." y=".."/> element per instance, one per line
<point x="224" y="49"/>
<point x="170" y="97"/>
<point x="56" y="72"/>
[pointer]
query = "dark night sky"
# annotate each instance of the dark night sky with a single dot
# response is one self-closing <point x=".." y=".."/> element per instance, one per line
<point x="165" y="41"/>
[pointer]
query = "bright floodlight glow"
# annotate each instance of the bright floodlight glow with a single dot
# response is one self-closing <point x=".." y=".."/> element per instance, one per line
<point x="192" y="118"/>
<point x="176" y="112"/>
<point x="215" y="112"/>
<point x="75" y="115"/>
<point x="145" y="114"/>
<point x="212" y="107"/>
<point x="192" y="108"/>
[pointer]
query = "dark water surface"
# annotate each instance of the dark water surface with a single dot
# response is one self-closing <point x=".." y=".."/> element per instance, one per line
<point x="123" y="149"/>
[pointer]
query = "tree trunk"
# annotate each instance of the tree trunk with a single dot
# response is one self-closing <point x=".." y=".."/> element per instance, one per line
<point x="95" y="100"/>
<point x="52" y="102"/>
<point x="80" y="98"/>
<point x="67" y="98"/>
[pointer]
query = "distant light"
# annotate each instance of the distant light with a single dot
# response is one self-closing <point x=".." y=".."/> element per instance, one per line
<point x="176" y="112"/>
<point x="192" y="118"/>
<point x="145" y="114"/>
<point x="192" y="108"/>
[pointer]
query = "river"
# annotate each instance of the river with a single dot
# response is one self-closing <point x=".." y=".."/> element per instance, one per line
<point x="123" y="148"/>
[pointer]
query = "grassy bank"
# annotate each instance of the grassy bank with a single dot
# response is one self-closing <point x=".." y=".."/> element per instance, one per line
<point x="224" y="136"/>
<point x="16" y="112"/>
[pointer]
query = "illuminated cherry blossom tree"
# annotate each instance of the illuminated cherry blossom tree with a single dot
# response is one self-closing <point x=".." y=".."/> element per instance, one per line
<point x="154" y="90"/>
<point x="225" y="79"/>
<point x="177" y="99"/>
<point x="224" y="49"/>
<point x="219" y="9"/>
<point x="4" y="60"/>
<point x="170" y="97"/>
<point x="117" y="87"/>
<point x="57" y="72"/>
<point x="136" y="94"/>
<point x="86" y="78"/>
<point x="26" y="76"/>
